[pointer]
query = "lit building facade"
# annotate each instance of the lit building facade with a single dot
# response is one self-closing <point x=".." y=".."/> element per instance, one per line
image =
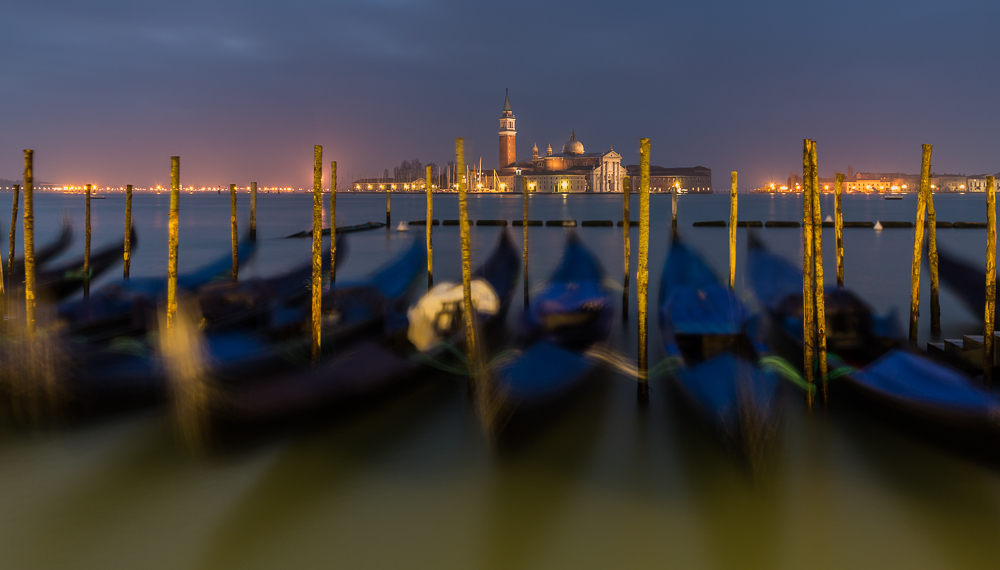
<point x="695" y="180"/>
<point x="572" y="170"/>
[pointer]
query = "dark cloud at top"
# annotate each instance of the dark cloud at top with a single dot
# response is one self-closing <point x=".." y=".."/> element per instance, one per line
<point x="107" y="91"/>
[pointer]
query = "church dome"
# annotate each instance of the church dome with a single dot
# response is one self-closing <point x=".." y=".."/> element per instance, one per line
<point x="573" y="146"/>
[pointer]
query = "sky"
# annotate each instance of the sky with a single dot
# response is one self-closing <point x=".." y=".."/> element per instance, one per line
<point x="106" y="91"/>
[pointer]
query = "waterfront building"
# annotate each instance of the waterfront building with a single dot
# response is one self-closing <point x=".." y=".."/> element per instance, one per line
<point x="694" y="180"/>
<point x="572" y="170"/>
<point x="391" y="184"/>
<point x="976" y="183"/>
<point x="948" y="182"/>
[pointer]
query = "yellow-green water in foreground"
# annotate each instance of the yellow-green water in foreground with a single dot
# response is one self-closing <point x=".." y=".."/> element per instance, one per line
<point x="413" y="483"/>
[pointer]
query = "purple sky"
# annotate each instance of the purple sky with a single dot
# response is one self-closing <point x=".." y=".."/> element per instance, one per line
<point x="106" y="91"/>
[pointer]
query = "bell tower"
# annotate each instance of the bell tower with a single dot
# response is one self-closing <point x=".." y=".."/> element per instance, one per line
<point x="508" y="152"/>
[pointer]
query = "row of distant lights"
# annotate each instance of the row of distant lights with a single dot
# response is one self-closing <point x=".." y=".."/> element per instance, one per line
<point x="393" y="186"/>
<point x="78" y="189"/>
<point x="869" y="187"/>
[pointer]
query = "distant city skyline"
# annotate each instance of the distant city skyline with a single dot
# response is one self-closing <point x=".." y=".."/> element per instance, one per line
<point x="106" y="92"/>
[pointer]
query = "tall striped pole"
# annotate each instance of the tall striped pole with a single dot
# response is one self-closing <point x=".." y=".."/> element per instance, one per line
<point x="673" y="213"/>
<point x="525" y="188"/>
<point x="3" y="295"/>
<point x="173" y="226"/>
<point x="932" y="259"/>
<point x="808" y="300"/>
<point x="333" y="223"/>
<point x="253" y="210"/>
<point x="733" y="202"/>
<point x="430" y="228"/>
<point x="13" y="230"/>
<point x="818" y="288"/>
<point x="838" y="225"/>
<point x="642" y="278"/>
<point x="991" y="281"/>
<point x="463" y="223"/>
<point x="86" y="245"/>
<point x="235" y="234"/>
<point x="29" y="241"/>
<point x="918" y="240"/>
<point x="317" y="251"/>
<point x="128" y="231"/>
<point x="626" y="241"/>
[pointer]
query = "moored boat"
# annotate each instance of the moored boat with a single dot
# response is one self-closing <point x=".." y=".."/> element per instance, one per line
<point x="367" y="369"/>
<point x="880" y="370"/>
<point x="570" y="315"/>
<point x="706" y="326"/>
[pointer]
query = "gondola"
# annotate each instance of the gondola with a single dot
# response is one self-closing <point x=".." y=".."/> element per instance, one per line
<point x="854" y="333"/>
<point x="128" y="372"/>
<point x="884" y="373"/>
<point x="966" y="280"/>
<point x="262" y="302"/>
<point x="366" y="369"/>
<point x="57" y="282"/>
<point x="129" y="306"/>
<point x="571" y="314"/>
<point x="703" y="323"/>
<point x="14" y="276"/>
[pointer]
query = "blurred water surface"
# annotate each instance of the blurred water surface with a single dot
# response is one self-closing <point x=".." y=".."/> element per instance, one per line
<point x="413" y="483"/>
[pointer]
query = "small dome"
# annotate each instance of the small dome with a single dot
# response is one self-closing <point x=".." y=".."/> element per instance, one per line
<point x="573" y="146"/>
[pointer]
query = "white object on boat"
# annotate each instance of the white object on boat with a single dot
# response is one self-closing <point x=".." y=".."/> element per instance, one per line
<point x="438" y="314"/>
<point x="402" y="227"/>
<point x="878" y="226"/>
<point x="828" y="219"/>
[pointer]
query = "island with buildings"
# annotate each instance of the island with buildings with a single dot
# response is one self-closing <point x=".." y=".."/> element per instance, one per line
<point x="572" y="170"/>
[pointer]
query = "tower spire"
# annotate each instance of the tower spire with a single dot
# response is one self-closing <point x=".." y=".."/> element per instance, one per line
<point x="508" y="151"/>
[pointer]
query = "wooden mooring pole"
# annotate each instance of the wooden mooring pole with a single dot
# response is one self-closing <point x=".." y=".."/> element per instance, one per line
<point x="642" y="277"/>
<point x="253" y="210"/>
<point x="627" y="241"/>
<point x="932" y="261"/>
<point x="235" y="234"/>
<point x="29" y="242"/>
<point x="818" y="288"/>
<point x="808" y="299"/>
<point x="838" y="226"/>
<point x="128" y="232"/>
<point x="333" y="223"/>
<point x="525" y="188"/>
<point x="463" y="224"/>
<point x="13" y="230"/>
<point x="388" y="218"/>
<point x="733" y="202"/>
<point x="172" y="229"/>
<point x="430" y="229"/>
<point x="317" y="251"/>
<point x="673" y="213"/>
<point x="86" y="244"/>
<point x="918" y="240"/>
<point x="991" y="281"/>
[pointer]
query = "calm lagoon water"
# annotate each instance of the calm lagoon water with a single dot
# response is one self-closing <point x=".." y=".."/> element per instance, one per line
<point x="414" y="484"/>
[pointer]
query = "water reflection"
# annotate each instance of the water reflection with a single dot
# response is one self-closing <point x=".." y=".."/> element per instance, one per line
<point x="413" y="481"/>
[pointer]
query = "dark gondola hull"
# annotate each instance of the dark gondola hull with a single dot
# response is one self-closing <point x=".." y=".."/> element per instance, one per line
<point x="704" y="324"/>
<point x="570" y="315"/>
<point x="359" y="373"/>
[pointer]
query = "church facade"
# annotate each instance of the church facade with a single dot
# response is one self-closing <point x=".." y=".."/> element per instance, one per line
<point x="572" y="170"/>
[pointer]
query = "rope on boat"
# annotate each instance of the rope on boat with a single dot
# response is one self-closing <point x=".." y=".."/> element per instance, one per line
<point x="456" y="363"/>
<point x="789" y="372"/>
<point x="460" y="368"/>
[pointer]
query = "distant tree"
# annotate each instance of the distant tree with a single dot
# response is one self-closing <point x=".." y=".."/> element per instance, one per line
<point x="410" y="170"/>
